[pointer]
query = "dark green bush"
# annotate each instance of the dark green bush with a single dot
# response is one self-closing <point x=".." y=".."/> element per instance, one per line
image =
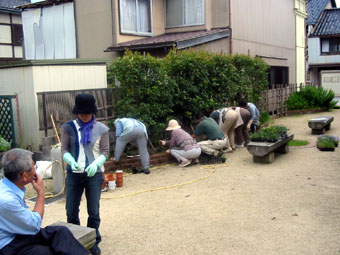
<point x="182" y="84"/>
<point x="311" y="97"/>
<point x="264" y="117"/>
<point x="145" y="90"/>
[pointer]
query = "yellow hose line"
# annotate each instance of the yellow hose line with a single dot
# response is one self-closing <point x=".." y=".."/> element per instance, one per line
<point x="170" y="186"/>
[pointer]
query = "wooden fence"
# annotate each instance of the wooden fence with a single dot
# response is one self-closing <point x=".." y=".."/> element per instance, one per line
<point x="274" y="98"/>
<point x="60" y="105"/>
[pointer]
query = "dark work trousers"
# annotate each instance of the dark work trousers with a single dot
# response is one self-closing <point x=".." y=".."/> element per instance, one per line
<point x="48" y="241"/>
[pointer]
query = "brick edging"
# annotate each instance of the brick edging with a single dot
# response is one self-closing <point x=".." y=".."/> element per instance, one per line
<point x="304" y="111"/>
<point x="128" y="163"/>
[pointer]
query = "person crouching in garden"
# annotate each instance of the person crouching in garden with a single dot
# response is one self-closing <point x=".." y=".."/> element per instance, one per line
<point x="215" y="140"/>
<point x="85" y="148"/>
<point x="129" y="130"/>
<point x="182" y="146"/>
<point x="253" y="124"/>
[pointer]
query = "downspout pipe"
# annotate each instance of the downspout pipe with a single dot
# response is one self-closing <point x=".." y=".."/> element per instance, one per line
<point x="231" y="30"/>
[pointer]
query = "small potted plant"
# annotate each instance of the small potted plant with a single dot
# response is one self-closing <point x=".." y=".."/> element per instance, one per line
<point x="325" y="144"/>
<point x="334" y="139"/>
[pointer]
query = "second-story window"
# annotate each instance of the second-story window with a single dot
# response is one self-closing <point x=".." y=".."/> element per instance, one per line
<point x="330" y="45"/>
<point x="135" y="16"/>
<point x="184" y="13"/>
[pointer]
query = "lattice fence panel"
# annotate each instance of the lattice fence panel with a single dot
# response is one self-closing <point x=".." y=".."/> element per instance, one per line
<point x="7" y="129"/>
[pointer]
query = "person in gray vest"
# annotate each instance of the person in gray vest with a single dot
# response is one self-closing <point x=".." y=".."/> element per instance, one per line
<point x="85" y="148"/>
<point x="129" y="130"/>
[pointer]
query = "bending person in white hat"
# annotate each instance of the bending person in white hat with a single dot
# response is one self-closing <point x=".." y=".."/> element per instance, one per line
<point x="182" y="146"/>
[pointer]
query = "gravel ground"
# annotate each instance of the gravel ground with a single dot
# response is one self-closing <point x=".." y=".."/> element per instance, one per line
<point x="291" y="206"/>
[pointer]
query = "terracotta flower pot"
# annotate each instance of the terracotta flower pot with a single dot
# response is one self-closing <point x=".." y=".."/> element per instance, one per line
<point x="119" y="178"/>
<point x="111" y="177"/>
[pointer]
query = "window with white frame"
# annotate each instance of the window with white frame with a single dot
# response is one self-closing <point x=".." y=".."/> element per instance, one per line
<point x="330" y="45"/>
<point x="135" y="16"/>
<point x="184" y="13"/>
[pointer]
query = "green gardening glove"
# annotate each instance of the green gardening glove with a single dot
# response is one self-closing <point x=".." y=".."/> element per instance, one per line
<point x="92" y="168"/>
<point x="70" y="160"/>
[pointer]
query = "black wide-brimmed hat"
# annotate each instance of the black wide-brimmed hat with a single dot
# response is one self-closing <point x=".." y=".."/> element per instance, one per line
<point x="85" y="104"/>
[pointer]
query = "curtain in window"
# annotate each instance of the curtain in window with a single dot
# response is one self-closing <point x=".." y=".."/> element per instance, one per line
<point x="174" y="13"/>
<point x="144" y="12"/>
<point x="128" y="16"/>
<point x="194" y="12"/>
<point x="184" y="12"/>
<point x="325" y="45"/>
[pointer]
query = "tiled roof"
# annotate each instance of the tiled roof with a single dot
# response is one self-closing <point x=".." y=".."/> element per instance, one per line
<point x="179" y="40"/>
<point x="9" y="5"/>
<point x="329" y="23"/>
<point x="315" y="8"/>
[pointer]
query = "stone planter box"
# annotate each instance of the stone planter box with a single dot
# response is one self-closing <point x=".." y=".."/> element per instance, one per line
<point x="265" y="152"/>
<point x="320" y="125"/>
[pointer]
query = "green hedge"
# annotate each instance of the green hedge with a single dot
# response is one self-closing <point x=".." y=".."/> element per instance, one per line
<point x="310" y="98"/>
<point x="182" y="84"/>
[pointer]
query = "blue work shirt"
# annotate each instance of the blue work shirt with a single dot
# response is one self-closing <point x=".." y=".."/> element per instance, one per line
<point x="254" y="113"/>
<point x="126" y="125"/>
<point x="15" y="216"/>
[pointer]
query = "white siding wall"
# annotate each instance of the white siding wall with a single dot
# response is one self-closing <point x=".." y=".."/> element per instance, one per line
<point x="28" y="81"/>
<point x="314" y="53"/>
<point x="50" y="32"/>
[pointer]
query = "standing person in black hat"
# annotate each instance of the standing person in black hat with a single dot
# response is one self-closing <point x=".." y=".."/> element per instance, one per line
<point x="85" y="148"/>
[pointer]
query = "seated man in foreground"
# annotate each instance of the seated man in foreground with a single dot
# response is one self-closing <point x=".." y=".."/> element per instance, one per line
<point x="20" y="228"/>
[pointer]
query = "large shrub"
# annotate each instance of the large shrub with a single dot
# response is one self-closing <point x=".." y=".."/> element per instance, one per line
<point x="145" y="92"/>
<point x="182" y="84"/>
<point x="252" y="77"/>
<point x="201" y="80"/>
<point x="311" y="97"/>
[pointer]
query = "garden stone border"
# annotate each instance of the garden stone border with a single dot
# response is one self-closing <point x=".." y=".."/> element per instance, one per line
<point x="265" y="152"/>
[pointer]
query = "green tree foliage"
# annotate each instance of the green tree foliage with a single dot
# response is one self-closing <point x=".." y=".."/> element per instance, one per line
<point x="145" y="92"/>
<point x="252" y="77"/>
<point x="311" y="97"/>
<point x="182" y="84"/>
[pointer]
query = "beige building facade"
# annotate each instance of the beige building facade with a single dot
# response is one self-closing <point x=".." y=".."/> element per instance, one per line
<point x="264" y="28"/>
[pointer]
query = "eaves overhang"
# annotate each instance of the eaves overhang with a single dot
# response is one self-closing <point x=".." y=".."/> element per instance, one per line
<point x="179" y="40"/>
<point x="41" y="4"/>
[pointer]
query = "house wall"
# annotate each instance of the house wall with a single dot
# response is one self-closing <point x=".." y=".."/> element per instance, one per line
<point x="94" y="28"/>
<point x="267" y="29"/>
<point x="218" y="46"/>
<point x="50" y="32"/>
<point x="30" y="78"/>
<point x="220" y="10"/>
<point x="314" y="53"/>
<point x="6" y="51"/>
